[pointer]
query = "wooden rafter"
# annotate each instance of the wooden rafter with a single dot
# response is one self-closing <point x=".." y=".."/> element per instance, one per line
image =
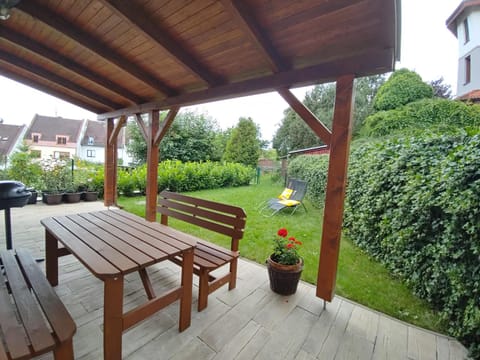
<point x="51" y="55"/>
<point x="38" y="71"/>
<point x="134" y="15"/>
<point x="141" y="125"/>
<point x="116" y="130"/>
<point x="243" y="16"/>
<point x="163" y="128"/>
<point x="40" y="12"/>
<point x="336" y="187"/>
<point x="324" y="72"/>
<point x="49" y="90"/>
<point x="310" y="119"/>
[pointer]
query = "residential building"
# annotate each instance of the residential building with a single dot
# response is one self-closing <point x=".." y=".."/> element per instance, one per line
<point x="464" y="23"/>
<point x="11" y="137"/>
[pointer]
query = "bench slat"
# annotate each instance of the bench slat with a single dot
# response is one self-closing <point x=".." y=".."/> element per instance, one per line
<point x="38" y="333"/>
<point x="14" y="335"/>
<point x="56" y="313"/>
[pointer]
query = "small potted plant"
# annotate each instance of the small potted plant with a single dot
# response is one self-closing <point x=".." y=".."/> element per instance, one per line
<point x="90" y="193"/>
<point x="285" y="265"/>
<point x="72" y="195"/>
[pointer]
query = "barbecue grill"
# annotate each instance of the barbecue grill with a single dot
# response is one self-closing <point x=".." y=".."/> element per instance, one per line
<point x="12" y="194"/>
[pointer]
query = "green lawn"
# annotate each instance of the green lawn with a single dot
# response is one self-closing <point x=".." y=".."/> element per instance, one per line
<point x="359" y="278"/>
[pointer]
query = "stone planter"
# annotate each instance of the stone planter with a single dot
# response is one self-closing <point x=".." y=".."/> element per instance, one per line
<point x="284" y="278"/>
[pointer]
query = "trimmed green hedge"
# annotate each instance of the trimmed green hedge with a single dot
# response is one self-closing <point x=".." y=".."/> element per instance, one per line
<point x="312" y="169"/>
<point x="414" y="204"/>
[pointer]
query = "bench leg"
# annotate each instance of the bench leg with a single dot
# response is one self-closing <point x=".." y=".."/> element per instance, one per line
<point x="233" y="274"/>
<point x="64" y="351"/>
<point x="113" y="318"/>
<point x="202" y="289"/>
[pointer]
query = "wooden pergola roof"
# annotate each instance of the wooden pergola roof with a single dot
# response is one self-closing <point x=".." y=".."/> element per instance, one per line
<point x="119" y="58"/>
<point x="108" y="55"/>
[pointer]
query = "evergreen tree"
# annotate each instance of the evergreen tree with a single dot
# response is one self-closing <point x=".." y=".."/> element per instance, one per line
<point x="244" y="145"/>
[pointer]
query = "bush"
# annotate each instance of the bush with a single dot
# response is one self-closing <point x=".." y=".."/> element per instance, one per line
<point x="313" y="169"/>
<point x="414" y="205"/>
<point x="436" y="115"/>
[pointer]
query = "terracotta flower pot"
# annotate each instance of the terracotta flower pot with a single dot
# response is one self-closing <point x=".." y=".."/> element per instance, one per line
<point x="284" y="278"/>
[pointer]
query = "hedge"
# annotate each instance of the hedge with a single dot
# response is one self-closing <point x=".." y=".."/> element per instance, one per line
<point x="414" y="204"/>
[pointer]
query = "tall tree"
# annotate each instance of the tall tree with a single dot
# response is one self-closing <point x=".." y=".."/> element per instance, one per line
<point x="440" y="89"/>
<point x="244" y="144"/>
<point x="191" y="137"/>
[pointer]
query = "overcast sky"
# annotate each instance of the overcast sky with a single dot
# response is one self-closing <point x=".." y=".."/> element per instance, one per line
<point x="428" y="47"/>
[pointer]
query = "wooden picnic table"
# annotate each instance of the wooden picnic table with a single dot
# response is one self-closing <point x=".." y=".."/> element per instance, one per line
<point x="111" y="244"/>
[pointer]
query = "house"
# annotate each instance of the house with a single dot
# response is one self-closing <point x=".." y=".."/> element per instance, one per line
<point x="10" y="138"/>
<point x="464" y="23"/>
<point x="60" y="138"/>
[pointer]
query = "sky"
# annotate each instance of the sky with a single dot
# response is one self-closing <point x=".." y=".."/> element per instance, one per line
<point x="427" y="47"/>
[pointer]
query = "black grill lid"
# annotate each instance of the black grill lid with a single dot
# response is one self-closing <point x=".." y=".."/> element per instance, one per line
<point x="13" y="194"/>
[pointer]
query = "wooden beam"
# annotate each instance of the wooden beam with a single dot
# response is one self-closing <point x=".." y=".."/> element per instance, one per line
<point x="51" y="91"/>
<point x="116" y="130"/>
<point x="141" y="125"/>
<point x="110" y="183"/>
<point x="243" y="16"/>
<point x="165" y="125"/>
<point x="315" y="124"/>
<point x="136" y="16"/>
<point x="69" y="64"/>
<point x="63" y="26"/>
<point x="152" y="167"/>
<point x="316" y="74"/>
<point x="49" y="76"/>
<point x="336" y="185"/>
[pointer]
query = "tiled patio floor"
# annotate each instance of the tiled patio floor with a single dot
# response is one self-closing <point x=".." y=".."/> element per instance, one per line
<point x="249" y="322"/>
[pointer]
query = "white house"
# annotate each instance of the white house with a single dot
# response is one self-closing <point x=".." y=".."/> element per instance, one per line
<point x="464" y="23"/>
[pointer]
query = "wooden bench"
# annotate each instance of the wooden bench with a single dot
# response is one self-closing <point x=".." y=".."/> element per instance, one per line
<point x="217" y="217"/>
<point x="33" y="320"/>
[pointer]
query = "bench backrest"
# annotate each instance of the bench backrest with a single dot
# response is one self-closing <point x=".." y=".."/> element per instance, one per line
<point x="220" y="218"/>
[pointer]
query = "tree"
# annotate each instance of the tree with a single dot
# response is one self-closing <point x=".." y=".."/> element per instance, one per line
<point x="440" y="89"/>
<point x="23" y="168"/>
<point x="244" y="144"/>
<point x="191" y="137"/>
<point x="294" y="133"/>
<point x="403" y="87"/>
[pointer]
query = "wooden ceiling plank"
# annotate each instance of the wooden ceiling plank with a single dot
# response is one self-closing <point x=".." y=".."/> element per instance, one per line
<point x="310" y="119"/>
<point x="245" y="20"/>
<point x="49" y="90"/>
<point x="53" y="56"/>
<point x="40" y="12"/>
<point x="159" y="35"/>
<point x="50" y="76"/>
<point x="378" y="61"/>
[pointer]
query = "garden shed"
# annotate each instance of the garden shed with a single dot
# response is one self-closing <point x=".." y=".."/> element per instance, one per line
<point x="136" y="58"/>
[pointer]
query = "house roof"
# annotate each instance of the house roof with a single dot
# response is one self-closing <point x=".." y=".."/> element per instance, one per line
<point x="9" y="136"/>
<point x="116" y="57"/>
<point x="49" y="127"/>
<point x="464" y="5"/>
<point x="473" y="95"/>
<point x="96" y="130"/>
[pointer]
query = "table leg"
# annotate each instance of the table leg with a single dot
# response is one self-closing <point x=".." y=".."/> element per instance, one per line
<point x="187" y="283"/>
<point x="113" y="318"/>
<point x="51" y="258"/>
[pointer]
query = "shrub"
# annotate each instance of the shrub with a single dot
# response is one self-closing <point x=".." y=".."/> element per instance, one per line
<point x="413" y="204"/>
<point x="313" y="169"/>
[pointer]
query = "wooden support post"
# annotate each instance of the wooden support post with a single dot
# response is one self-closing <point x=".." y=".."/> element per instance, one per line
<point x="152" y="167"/>
<point x="336" y="185"/>
<point x="110" y="184"/>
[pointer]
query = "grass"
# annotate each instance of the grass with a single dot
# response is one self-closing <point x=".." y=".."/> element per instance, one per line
<point x="359" y="278"/>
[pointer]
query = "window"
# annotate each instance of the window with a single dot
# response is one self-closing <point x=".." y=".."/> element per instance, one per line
<point x="35" y="138"/>
<point x="90" y="153"/>
<point x="468" y="69"/>
<point x="467" y="31"/>
<point x="90" y="140"/>
<point x="61" y="155"/>
<point x="61" y="140"/>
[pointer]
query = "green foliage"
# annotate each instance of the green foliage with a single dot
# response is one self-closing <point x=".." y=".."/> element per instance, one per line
<point x="191" y="137"/>
<point x="413" y="204"/>
<point x="23" y="168"/>
<point x="244" y="145"/>
<point x="403" y="87"/>
<point x="286" y="248"/>
<point x="313" y="169"/>
<point x="434" y="115"/>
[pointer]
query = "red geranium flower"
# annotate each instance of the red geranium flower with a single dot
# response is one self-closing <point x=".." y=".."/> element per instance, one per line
<point x="282" y="232"/>
<point x="285" y="249"/>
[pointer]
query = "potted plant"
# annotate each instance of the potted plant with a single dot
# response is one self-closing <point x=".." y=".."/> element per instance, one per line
<point x="90" y="193"/>
<point x="285" y="264"/>
<point x="54" y="185"/>
<point x="72" y="195"/>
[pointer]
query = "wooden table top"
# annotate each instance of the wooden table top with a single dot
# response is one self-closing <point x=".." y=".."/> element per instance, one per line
<point x="114" y="242"/>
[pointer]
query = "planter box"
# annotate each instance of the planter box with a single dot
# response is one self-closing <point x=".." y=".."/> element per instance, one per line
<point x="52" y="198"/>
<point x="72" y="197"/>
<point x="90" y="195"/>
